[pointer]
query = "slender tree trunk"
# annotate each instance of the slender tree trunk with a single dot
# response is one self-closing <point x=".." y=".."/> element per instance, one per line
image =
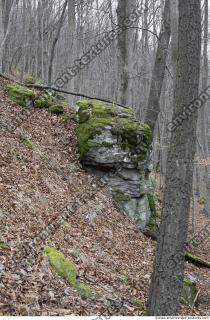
<point x="55" y="41"/>
<point x="123" y="54"/>
<point x="204" y="172"/>
<point x="205" y="78"/>
<point x="153" y="105"/>
<point x="6" y="7"/>
<point x="1" y="32"/>
<point x="167" y="278"/>
<point x="174" y="17"/>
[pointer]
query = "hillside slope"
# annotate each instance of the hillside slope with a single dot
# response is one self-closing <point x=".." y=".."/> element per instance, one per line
<point x="40" y="176"/>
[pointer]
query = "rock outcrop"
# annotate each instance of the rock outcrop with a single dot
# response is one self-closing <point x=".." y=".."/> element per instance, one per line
<point x="115" y="146"/>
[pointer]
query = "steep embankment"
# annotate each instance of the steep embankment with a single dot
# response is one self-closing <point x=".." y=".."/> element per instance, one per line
<point x="40" y="176"/>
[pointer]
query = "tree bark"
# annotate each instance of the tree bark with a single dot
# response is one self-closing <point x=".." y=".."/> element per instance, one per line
<point x="153" y="105"/>
<point x="55" y="41"/>
<point x="168" y="274"/>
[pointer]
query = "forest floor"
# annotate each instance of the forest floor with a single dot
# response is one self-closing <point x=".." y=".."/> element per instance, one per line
<point x="40" y="175"/>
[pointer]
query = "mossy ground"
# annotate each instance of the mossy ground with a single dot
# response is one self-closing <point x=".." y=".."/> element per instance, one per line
<point x="94" y="115"/>
<point x="20" y="95"/>
<point x="67" y="269"/>
<point x="56" y="109"/>
<point x="28" y="98"/>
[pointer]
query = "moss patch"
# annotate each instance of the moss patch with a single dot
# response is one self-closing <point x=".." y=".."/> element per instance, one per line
<point x="139" y="304"/>
<point x="67" y="270"/>
<point x="21" y="95"/>
<point x="28" y="142"/>
<point x="121" y="197"/>
<point x="4" y="247"/>
<point x="152" y="225"/>
<point x="135" y="136"/>
<point x="56" y="109"/>
<point x="29" y="80"/>
<point x="94" y="115"/>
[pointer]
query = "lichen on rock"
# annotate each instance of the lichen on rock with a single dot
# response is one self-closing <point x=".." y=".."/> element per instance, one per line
<point x="112" y="140"/>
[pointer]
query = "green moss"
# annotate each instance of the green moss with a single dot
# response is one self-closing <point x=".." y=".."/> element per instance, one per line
<point x="87" y="131"/>
<point x="46" y="101"/>
<point x="84" y="290"/>
<point x="41" y="103"/>
<point x="4" y="246"/>
<point x="56" y="109"/>
<point x="67" y="269"/>
<point x="136" y="137"/>
<point x="202" y="201"/>
<point x="120" y="197"/>
<point x="152" y="225"/>
<point x="29" y="80"/>
<point x="140" y="305"/>
<point x="28" y="142"/>
<point x="21" y="95"/>
<point x="63" y="266"/>
<point x="94" y="115"/>
<point x="188" y="282"/>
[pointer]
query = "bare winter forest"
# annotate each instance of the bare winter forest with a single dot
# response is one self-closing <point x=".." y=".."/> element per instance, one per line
<point x="104" y="158"/>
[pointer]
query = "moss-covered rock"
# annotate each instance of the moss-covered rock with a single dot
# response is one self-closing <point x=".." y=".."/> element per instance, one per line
<point x="56" y="109"/>
<point x="111" y="138"/>
<point x="41" y="103"/>
<point x="121" y="197"/>
<point x="93" y="116"/>
<point x="21" y="95"/>
<point x="67" y="270"/>
<point x="45" y="101"/>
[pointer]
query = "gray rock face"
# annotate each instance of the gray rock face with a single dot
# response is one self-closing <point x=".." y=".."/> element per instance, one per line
<point x="117" y="152"/>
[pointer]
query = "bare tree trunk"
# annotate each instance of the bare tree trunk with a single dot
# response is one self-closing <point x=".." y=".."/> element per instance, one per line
<point x="167" y="278"/>
<point x="1" y="32"/>
<point x="205" y="78"/>
<point x="153" y="105"/>
<point x="123" y="53"/>
<point x="6" y="7"/>
<point x="174" y="17"/>
<point x="55" y="41"/>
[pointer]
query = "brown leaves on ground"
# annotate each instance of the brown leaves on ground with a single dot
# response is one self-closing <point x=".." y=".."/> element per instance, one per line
<point x="40" y="176"/>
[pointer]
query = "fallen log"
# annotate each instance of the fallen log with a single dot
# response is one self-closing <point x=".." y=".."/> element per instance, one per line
<point x="188" y="256"/>
<point x="196" y="260"/>
<point x="76" y="94"/>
